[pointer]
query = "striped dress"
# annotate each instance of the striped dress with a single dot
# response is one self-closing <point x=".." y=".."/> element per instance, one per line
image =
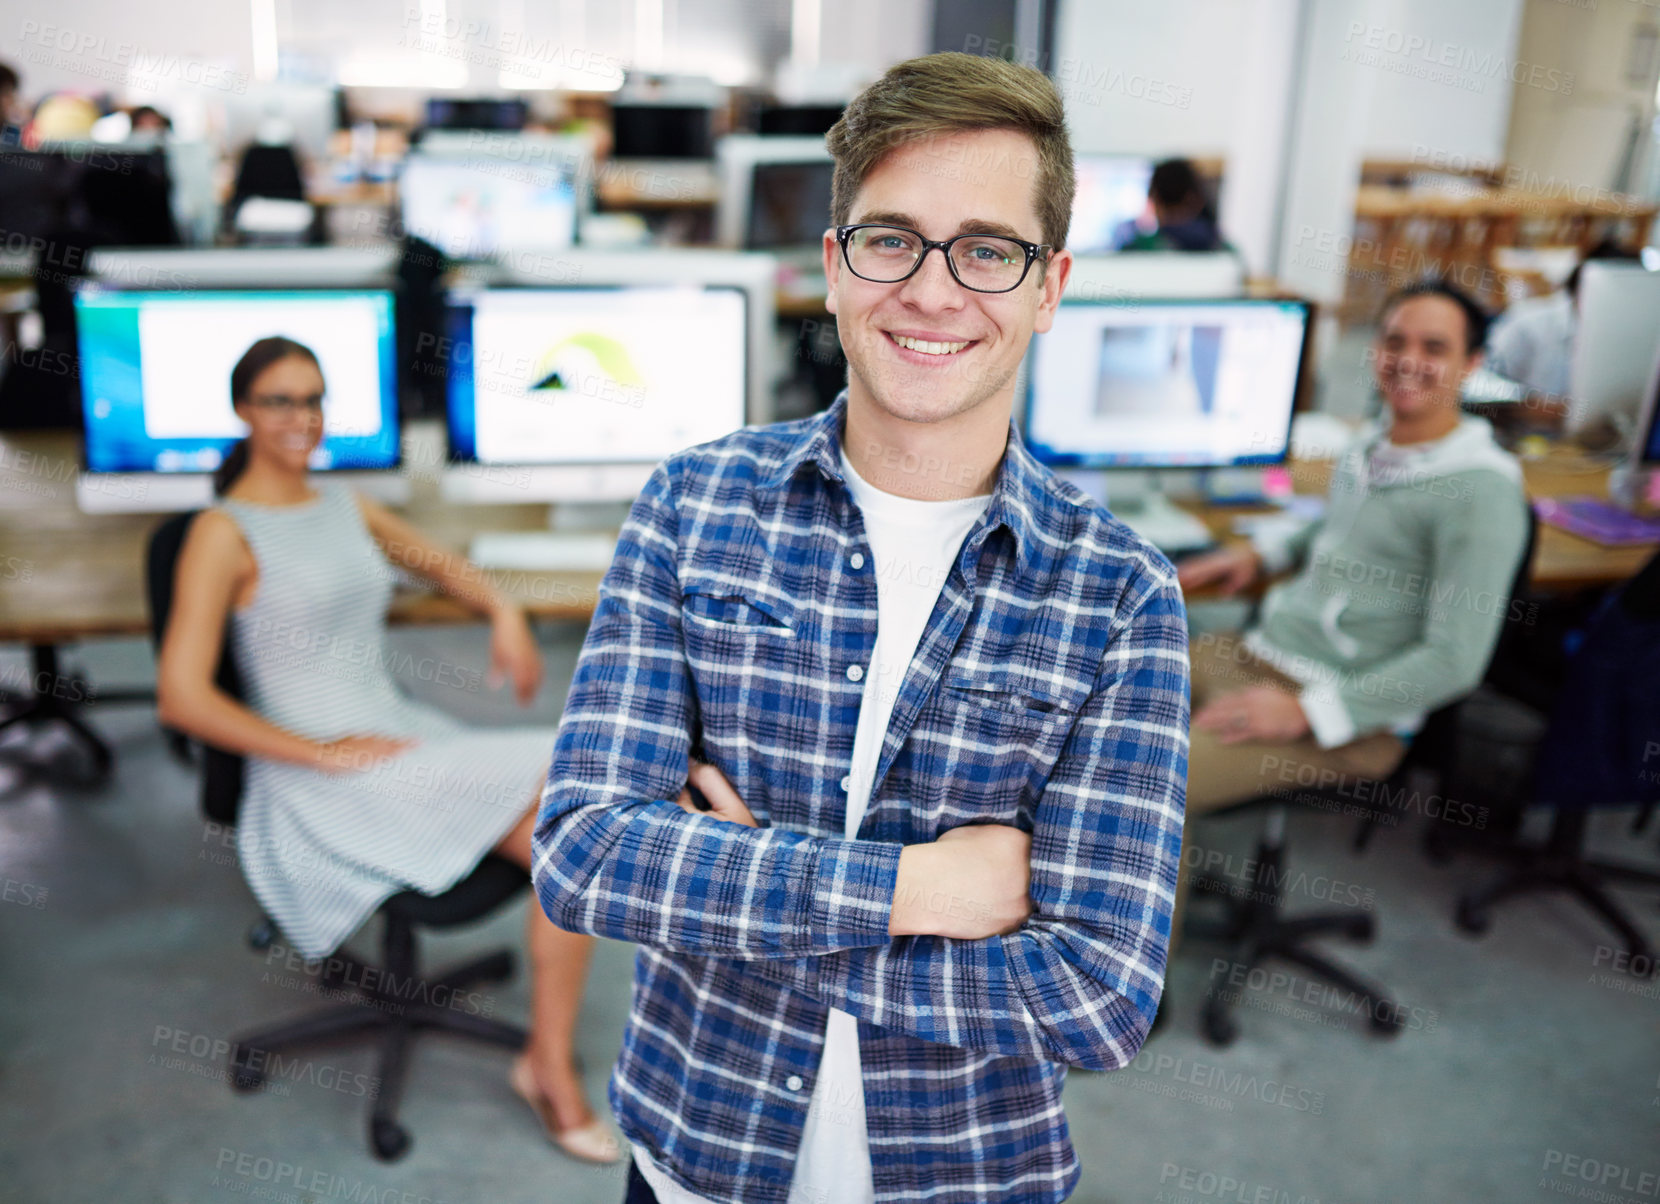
<point x="322" y="850"/>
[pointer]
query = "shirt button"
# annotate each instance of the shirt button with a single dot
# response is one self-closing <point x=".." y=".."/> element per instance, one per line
<point x="855" y="673"/>
<point x="857" y="560"/>
<point x="793" y="1082"/>
<point x="847" y="781"/>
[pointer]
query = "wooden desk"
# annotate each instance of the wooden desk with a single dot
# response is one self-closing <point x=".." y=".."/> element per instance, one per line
<point x="66" y="575"/>
<point x="1562" y="562"/>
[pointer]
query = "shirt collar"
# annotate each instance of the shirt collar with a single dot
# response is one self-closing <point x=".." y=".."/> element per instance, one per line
<point x="1017" y="499"/>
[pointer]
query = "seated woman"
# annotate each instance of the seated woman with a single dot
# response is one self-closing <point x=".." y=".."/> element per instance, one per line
<point x="355" y="792"/>
<point x="1400" y="594"/>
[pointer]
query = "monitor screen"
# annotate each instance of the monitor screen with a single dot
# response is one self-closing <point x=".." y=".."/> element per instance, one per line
<point x="1175" y="384"/>
<point x="789" y="205"/>
<point x="662" y="131"/>
<point x="797" y="119"/>
<point x="156" y="370"/>
<point x="594" y="375"/>
<point x="456" y="113"/>
<point x="478" y="207"/>
<point x="1110" y="207"/>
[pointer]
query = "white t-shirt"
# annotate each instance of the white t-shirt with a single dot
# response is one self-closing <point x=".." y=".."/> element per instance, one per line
<point x="913" y="545"/>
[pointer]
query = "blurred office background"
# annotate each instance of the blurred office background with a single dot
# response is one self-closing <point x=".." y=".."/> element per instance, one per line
<point x="472" y="207"/>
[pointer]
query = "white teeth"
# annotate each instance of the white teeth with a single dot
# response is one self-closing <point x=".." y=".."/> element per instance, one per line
<point x="928" y="348"/>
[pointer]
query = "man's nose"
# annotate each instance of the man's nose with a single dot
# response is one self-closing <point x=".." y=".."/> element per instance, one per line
<point x="933" y="286"/>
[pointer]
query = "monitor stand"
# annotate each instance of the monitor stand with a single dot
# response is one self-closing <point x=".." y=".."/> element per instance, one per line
<point x="1137" y="501"/>
<point x="580" y="538"/>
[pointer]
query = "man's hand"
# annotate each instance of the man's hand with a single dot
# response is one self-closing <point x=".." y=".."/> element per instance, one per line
<point x="1230" y="569"/>
<point x="972" y="882"/>
<point x="724" y="802"/>
<point x="1259" y="713"/>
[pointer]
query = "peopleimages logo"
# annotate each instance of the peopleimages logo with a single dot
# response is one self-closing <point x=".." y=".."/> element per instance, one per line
<point x="1445" y="62"/>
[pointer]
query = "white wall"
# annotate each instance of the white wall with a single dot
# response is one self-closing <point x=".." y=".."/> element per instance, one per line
<point x="1388" y="78"/>
<point x="1372" y="82"/>
<point x="1194" y="77"/>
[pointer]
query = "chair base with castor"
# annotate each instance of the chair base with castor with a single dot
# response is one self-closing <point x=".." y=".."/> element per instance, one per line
<point x="391" y="1002"/>
<point x="1560" y="864"/>
<point x="60" y="697"/>
<point x="1259" y="931"/>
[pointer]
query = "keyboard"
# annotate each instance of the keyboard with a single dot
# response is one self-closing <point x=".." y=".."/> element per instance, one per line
<point x="544" y="551"/>
<point x="1166" y="526"/>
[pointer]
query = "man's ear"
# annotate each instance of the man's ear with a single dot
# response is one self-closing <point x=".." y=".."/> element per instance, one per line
<point x="832" y="269"/>
<point x="1053" y="284"/>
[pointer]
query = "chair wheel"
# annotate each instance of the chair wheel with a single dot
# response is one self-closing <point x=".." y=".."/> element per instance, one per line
<point x="1219" y="1025"/>
<point x="1437" y="849"/>
<point x="261" y="935"/>
<point x="1361" y="928"/>
<point x="1472" y="918"/>
<point x="244" y="1077"/>
<point x="390" y="1140"/>
<point x="1388" y="1024"/>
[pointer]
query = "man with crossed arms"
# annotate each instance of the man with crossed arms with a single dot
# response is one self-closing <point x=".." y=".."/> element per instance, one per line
<point x="934" y="699"/>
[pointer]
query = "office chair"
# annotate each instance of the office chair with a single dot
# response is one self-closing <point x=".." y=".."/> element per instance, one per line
<point x="389" y="1002"/>
<point x="1597" y="751"/>
<point x="1258" y="928"/>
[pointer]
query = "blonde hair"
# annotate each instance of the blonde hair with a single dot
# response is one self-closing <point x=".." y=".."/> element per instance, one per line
<point x="951" y="93"/>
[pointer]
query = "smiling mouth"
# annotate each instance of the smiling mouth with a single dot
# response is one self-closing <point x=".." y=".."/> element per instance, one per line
<point x="924" y="347"/>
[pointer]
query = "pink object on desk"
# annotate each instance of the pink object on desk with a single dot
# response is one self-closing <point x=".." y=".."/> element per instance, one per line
<point x="1597" y="520"/>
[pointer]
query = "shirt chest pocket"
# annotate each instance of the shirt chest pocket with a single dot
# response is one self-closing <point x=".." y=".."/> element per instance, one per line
<point x="986" y="743"/>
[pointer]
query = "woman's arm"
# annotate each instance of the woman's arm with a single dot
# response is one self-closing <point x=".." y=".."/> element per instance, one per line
<point x="214" y="566"/>
<point x="450" y="572"/>
<point x="513" y="653"/>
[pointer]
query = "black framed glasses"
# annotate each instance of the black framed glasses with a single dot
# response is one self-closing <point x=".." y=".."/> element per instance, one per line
<point x="282" y="403"/>
<point x="983" y="263"/>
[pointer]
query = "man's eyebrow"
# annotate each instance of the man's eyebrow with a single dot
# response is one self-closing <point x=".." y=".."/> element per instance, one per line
<point x="972" y="226"/>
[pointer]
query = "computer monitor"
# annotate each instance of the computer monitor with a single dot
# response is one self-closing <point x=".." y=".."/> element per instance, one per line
<point x="1615" y="343"/>
<point x="1110" y="206"/>
<point x="1196" y="275"/>
<point x="1645" y="449"/>
<point x="89" y="194"/>
<point x="155" y="382"/>
<point x="477" y="207"/>
<point x="662" y="131"/>
<point x="1166" y="384"/>
<point x="809" y="119"/>
<point x="589" y="386"/>
<point x="476" y="113"/>
<point x="774" y="191"/>
<point x="789" y="206"/>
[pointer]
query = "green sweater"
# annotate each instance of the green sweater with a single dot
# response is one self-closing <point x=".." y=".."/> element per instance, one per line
<point x="1404" y="581"/>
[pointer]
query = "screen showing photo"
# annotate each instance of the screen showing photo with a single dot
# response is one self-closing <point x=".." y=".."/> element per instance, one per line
<point x="477" y="208"/>
<point x="156" y="370"/>
<point x="1173" y="384"/>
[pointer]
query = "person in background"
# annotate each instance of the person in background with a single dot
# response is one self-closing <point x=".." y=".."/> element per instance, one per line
<point x="1532" y="342"/>
<point x="11" y="106"/>
<point x="934" y="700"/>
<point x="147" y="119"/>
<point x="354" y="790"/>
<point x="1400" y="590"/>
<point x="1183" y="208"/>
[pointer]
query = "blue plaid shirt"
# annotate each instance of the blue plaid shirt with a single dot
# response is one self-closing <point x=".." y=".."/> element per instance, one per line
<point x="1049" y="691"/>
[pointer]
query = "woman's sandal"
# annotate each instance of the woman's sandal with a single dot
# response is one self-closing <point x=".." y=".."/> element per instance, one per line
<point x="593" y="1142"/>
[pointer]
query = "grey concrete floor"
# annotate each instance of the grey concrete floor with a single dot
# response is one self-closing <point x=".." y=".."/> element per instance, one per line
<point x="1529" y="1063"/>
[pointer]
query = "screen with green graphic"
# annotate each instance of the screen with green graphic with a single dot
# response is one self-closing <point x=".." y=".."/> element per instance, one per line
<point x="593" y="375"/>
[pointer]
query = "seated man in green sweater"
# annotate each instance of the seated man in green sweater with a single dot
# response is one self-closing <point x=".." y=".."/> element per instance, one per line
<point x="1400" y="593"/>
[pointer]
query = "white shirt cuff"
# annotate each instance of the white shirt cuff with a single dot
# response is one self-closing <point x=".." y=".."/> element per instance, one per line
<point x="1327" y="717"/>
